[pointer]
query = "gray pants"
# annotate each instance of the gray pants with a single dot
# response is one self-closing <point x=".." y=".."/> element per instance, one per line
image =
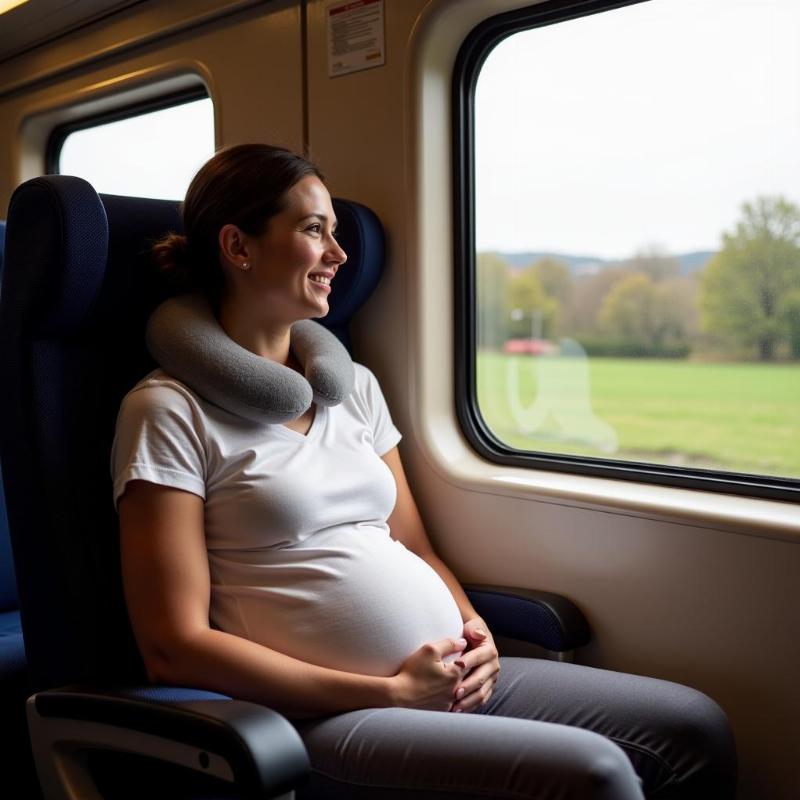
<point x="550" y="731"/>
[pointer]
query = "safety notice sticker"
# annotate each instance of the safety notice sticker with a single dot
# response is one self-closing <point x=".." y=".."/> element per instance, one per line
<point x="355" y="36"/>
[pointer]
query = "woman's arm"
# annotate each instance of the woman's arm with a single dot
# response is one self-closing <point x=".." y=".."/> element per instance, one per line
<point x="481" y="662"/>
<point x="167" y="591"/>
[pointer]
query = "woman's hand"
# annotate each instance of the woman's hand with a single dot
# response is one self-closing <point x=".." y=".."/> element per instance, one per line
<point x="426" y="679"/>
<point x="481" y="666"/>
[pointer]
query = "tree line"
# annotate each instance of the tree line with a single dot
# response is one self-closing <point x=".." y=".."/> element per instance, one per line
<point x="743" y="304"/>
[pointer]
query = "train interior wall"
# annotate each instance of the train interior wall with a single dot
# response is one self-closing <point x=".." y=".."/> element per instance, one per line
<point x="676" y="584"/>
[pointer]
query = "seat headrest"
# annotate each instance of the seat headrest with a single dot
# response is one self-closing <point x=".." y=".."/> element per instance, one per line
<point x="57" y="238"/>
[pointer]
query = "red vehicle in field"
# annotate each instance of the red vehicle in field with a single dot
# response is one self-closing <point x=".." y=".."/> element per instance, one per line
<point x="534" y="347"/>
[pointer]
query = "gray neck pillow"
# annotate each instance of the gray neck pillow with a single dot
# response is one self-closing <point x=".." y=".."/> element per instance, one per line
<point x="184" y="337"/>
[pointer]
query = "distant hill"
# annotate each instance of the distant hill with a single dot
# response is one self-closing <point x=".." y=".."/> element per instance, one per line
<point x="589" y="265"/>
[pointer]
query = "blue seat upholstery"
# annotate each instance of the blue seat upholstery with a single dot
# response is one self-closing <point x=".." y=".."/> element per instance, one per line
<point x="16" y="762"/>
<point x="9" y="611"/>
<point x="13" y="675"/>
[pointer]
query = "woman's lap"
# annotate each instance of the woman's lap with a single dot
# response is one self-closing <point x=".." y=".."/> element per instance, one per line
<point x="550" y="730"/>
<point x="403" y="753"/>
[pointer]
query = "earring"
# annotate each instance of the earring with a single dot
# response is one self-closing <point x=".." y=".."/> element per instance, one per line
<point x="245" y="265"/>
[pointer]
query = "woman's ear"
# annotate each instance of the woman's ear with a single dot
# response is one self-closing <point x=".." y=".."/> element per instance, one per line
<point x="233" y="247"/>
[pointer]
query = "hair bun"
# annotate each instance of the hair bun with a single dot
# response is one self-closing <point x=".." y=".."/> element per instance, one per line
<point x="171" y="254"/>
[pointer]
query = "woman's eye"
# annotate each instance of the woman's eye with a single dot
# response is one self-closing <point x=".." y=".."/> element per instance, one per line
<point x="315" y="228"/>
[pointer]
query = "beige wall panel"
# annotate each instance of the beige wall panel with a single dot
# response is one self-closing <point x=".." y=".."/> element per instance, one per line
<point x="251" y="62"/>
<point x="672" y="581"/>
<point x="712" y="609"/>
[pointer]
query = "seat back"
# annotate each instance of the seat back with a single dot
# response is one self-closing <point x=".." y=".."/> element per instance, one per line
<point x="16" y="760"/>
<point x="8" y="581"/>
<point x="9" y="602"/>
<point x="77" y="290"/>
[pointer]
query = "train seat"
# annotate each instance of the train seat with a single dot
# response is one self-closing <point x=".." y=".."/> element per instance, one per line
<point x="78" y="289"/>
<point x="12" y="651"/>
<point x="16" y="760"/>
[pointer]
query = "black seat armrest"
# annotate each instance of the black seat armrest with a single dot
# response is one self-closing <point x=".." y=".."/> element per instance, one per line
<point x="542" y="618"/>
<point x="247" y="747"/>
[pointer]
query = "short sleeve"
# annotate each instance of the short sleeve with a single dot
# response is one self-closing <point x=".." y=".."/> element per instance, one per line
<point x="156" y="440"/>
<point x="384" y="433"/>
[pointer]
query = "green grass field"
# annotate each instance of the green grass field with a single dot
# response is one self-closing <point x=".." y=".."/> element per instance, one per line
<point x="739" y="417"/>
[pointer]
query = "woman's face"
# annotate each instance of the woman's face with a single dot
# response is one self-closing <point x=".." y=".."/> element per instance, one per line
<point x="294" y="261"/>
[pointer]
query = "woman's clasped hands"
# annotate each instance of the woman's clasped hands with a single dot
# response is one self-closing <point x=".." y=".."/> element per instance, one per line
<point x="481" y="666"/>
<point x="451" y="674"/>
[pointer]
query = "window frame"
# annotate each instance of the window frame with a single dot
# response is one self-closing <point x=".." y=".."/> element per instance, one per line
<point x="59" y="134"/>
<point x="471" y="56"/>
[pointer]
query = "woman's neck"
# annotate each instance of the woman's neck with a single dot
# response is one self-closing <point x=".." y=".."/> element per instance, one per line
<point x="265" y="338"/>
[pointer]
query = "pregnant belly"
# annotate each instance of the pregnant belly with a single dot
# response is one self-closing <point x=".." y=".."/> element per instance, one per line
<point x="359" y="602"/>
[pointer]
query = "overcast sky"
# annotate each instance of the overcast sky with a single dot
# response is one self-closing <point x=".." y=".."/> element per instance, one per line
<point x="153" y="155"/>
<point x="647" y="125"/>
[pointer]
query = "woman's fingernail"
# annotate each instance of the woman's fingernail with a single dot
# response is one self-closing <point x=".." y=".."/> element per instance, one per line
<point x="457" y="710"/>
<point x="459" y="694"/>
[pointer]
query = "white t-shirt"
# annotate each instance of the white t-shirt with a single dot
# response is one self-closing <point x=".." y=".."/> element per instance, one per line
<point x="299" y="550"/>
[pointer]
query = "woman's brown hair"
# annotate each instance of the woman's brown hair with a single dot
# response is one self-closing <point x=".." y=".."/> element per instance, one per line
<point x="243" y="185"/>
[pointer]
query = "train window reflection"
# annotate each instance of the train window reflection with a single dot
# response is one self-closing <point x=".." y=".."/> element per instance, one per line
<point x="637" y="235"/>
<point x="152" y="154"/>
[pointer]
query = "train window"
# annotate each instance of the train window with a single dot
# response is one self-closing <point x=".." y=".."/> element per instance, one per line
<point x="628" y="241"/>
<point x="149" y="151"/>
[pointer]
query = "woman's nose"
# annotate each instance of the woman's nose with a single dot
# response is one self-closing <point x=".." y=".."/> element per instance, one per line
<point x="336" y="254"/>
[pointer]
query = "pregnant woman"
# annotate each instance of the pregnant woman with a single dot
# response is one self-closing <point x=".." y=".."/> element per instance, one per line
<point x="278" y="556"/>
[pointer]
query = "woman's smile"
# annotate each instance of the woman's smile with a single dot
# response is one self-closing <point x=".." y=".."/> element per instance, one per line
<point x="322" y="280"/>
